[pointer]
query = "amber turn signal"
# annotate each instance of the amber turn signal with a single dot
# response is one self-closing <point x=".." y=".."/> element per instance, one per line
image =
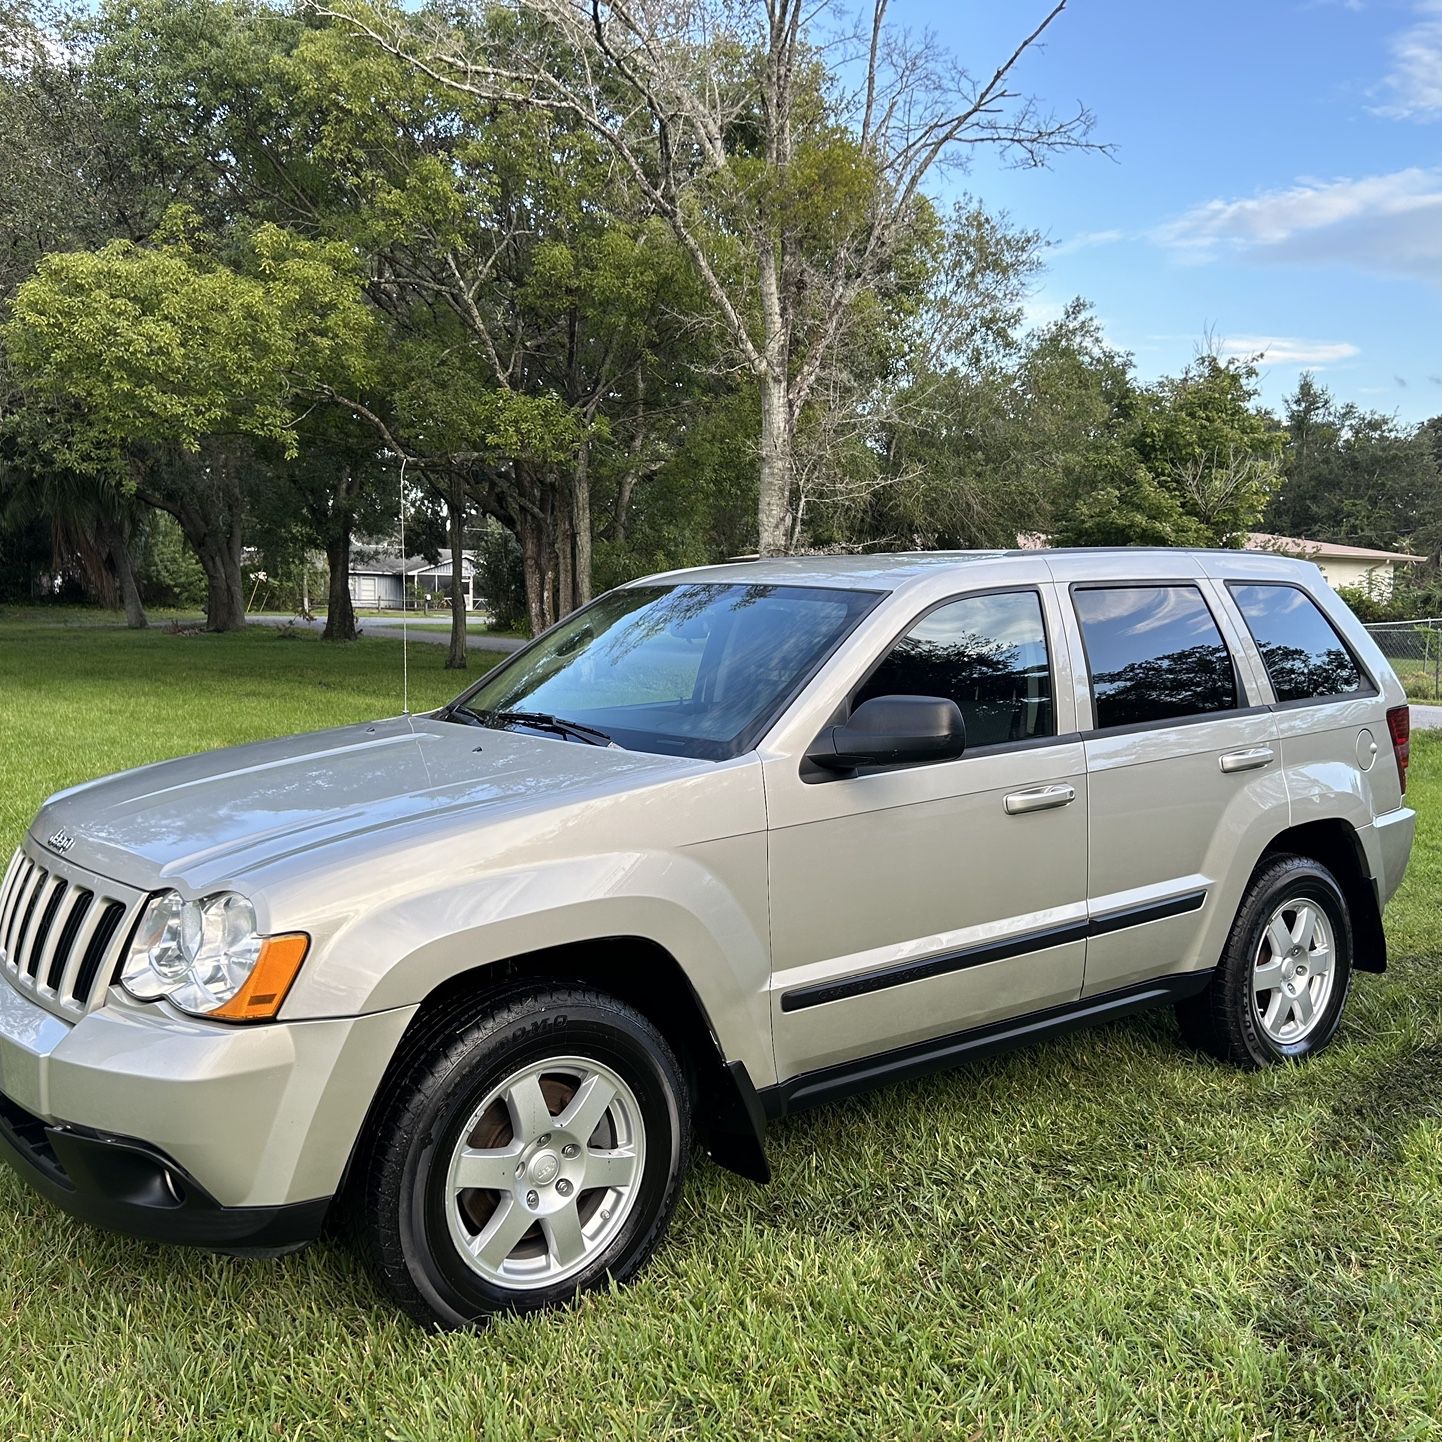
<point x="265" y="989"/>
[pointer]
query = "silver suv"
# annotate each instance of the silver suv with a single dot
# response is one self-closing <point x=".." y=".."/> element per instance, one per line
<point x="725" y="843"/>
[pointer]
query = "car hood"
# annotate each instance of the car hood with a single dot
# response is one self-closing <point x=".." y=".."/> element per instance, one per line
<point x="222" y="813"/>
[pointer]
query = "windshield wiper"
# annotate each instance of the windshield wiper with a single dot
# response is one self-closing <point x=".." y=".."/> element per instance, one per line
<point x="575" y="730"/>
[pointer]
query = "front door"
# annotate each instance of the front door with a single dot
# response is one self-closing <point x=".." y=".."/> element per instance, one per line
<point x="913" y="902"/>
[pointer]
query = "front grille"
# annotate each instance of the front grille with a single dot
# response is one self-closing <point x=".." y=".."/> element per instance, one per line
<point x="61" y="931"/>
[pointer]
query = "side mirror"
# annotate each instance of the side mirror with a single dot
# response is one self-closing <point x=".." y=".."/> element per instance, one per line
<point x="892" y="731"/>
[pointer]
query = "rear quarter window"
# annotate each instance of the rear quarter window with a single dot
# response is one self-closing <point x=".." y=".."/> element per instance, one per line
<point x="1305" y="657"/>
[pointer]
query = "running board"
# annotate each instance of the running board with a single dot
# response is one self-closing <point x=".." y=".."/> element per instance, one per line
<point x="835" y="1082"/>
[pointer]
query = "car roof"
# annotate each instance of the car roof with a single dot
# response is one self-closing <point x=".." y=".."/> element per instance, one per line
<point x="899" y="570"/>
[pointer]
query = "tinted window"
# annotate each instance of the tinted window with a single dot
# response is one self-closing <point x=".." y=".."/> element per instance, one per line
<point x="988" y="654"/>
<point x="695" y="669"/>
<point x="1154" y="652"/>
<point x="1304" y="655"/>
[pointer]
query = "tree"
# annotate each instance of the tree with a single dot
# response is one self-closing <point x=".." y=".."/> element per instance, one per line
<point x="176" y="364"/>
<point x="1356" y="476"/>
<point x="1188" y="461"/>
<point x="791" y="199"/>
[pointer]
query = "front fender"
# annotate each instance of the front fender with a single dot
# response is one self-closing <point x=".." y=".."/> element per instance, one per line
<point x="704" y="904"/>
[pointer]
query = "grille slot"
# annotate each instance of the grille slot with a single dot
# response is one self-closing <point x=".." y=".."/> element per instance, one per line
<point x="53" y="897"/>
<point x="60" y="932"/>
<point x="79" y="908"/>
<point x="99" y="946"/>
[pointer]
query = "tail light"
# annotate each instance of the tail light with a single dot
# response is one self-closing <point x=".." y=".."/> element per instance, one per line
<point x="1399" y="723"/>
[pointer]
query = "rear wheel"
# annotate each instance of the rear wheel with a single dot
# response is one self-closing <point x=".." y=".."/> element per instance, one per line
<point x="1279" y="989"/>
<point x="535" y="1152"/>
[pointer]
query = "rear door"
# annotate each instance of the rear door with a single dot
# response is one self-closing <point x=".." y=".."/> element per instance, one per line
<point x="1330" y="714"/>
<point x="1183" y="773"/>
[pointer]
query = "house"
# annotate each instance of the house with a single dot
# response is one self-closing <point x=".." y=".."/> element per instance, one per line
<point x="380" y="581"/>
<point x="1355" y="567"/>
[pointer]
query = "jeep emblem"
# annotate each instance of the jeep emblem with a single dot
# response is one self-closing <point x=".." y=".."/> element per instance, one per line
<point x="60" y="842"/>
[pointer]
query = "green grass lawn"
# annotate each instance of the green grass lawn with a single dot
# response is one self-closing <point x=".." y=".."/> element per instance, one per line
<point x="1100" y="1237"/>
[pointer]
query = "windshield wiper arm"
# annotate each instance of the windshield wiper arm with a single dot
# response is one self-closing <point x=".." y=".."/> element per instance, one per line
<point x="576" y="730"/>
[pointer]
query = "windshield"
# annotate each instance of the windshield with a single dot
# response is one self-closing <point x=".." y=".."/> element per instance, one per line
<point x="692" y="670"/>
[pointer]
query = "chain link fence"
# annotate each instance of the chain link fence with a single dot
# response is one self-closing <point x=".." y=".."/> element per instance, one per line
<point x="1415" y="650"/>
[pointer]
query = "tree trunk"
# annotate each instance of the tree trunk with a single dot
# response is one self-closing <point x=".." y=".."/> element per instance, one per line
<point x="135" y="617"/>
<point x="456" y="534"/>
<point x="581" y="526"/>
<point x="211" y="525"/>
<point x="773" y="499"/>
<point x="532" y="544"/>
<point x="565" y="552"/>
<point x="339" y="608"/>
<point x="113" y="540"/>
<point x="219" y="555"/>
<point x="773" y="511"/>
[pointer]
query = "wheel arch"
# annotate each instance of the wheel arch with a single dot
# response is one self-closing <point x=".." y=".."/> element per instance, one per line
<point x="1336" y="845"/>
<point x="637" y="970"/>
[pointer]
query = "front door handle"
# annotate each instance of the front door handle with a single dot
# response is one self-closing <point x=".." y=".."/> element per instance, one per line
<point x="1043" y="798"/>
<point x="1248" y="760"/>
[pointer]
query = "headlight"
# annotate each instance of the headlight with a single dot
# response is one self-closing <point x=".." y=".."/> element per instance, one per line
<point x="207" y="957"/>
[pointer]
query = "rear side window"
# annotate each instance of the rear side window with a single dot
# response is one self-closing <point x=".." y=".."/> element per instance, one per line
<point x="988" y="654"/>
<point x="1155" y="653"/>
<point x="1304" y="655"/>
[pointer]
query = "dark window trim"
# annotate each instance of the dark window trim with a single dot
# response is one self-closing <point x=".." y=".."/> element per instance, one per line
<point x="744" y="741"/>
<point x="1023" y="944"/>
<point x="1239" y="690"/>
<point x="1034" y="588"/>
<point x="1370" y="686"/>
<point x="1171" y="723"/>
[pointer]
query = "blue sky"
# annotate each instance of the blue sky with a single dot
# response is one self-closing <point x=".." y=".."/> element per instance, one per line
<point x="1277" y="180"/>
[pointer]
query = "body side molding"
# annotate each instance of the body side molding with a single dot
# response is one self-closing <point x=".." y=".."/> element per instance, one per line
<point x="818" y="993"/>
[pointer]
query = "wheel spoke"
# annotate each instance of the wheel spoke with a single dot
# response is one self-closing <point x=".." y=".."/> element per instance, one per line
<point x="564" y="1240"/>
<point x="1319" y="963"/>
<point x="1278" y="1010"/>
<point x="497" y="1240"/>
<point x="1304" y="928"/>
<point x="491" y="1169"/>
<point x="1278" y="937"/>
<point x="1303" y="1005"/>
<point x="587" y="1107"/>
<point x="1267" y="977"/>
<point x="530" y="1116"/>
<point x="610" y="1169"/>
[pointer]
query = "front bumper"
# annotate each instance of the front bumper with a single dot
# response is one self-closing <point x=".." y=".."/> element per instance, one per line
<point x="128" y="1186"/>
<point x="254" y="1118"/>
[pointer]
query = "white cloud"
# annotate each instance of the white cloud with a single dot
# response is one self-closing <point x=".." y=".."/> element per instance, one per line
<point x="1390" y="223"/>
<point x="1289" y="349"/>
<point x="1086" y="240"/>
<point x="1413" y="86"/>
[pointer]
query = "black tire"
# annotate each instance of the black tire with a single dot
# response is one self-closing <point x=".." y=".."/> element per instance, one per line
<point x="401" y="1194"/>
<point x="1224" y="1019"/>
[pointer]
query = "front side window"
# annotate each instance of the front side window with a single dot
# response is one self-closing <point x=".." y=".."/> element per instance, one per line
<point x="988" y="654"/>
<point x="1155" y="654"/>
<point x="695" y="669"/>
<point x="1304" y="656"/>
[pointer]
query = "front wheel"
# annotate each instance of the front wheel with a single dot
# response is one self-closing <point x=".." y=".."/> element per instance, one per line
<point x="1283" y="978"/>
<point x="536" y="1151"/>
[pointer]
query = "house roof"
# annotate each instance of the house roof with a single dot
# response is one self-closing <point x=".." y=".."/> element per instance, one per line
<point x="389" y="565"/>
<point x="1324" y="550"/>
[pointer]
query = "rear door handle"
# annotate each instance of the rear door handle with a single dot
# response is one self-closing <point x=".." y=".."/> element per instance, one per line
<point x="1248" y="760"/>
<point x="1043" y="798"/>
